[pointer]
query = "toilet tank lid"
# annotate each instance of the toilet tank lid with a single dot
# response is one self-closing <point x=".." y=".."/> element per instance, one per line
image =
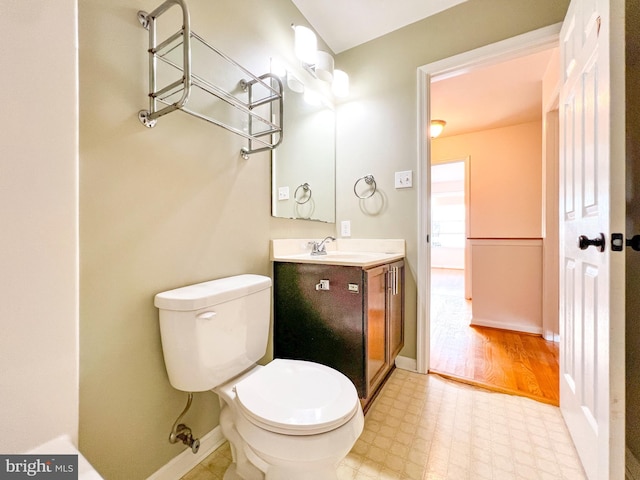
<point x="213" y="292"/>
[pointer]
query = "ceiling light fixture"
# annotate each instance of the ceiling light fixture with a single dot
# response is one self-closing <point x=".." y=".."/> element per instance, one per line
<point x="436" y="128"/>
<point x="317" y="62"/>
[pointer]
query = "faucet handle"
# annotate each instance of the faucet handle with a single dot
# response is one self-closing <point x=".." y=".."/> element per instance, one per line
<point x="322" y="246"/>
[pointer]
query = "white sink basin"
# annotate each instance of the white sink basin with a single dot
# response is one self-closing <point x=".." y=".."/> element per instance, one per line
<point x="357" y="256"/>
<point x="338" y="257"/>
<point x="350" y="252"/>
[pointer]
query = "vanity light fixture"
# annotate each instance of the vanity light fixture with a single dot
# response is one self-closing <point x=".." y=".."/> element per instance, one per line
<point x="317" y="62"/>
<point x="287" y="77"/>
<point x="436" y="128"/>
<point x="306" y="44"/>
<point x="323" y="68"/>
<point x="340" y="84"/>
<point x="294" y="83"/>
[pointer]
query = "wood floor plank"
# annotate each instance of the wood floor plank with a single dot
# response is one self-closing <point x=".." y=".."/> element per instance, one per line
<point x="505" y="361"/>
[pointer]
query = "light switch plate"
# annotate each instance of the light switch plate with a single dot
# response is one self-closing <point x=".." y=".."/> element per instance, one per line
<point x="283" y="193"/>
<point x="404" y="179"/>
<point x="345" y="228"/>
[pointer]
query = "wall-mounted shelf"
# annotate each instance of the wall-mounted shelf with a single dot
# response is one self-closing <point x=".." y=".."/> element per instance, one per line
<point x="188" y="74"/>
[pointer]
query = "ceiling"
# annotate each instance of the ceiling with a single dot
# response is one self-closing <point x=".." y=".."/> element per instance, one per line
<point x="340" y="22"/>
<point x="495" y="96"/>
<point x="499" y="95"/>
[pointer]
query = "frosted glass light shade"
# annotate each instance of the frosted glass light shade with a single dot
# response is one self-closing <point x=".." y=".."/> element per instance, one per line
<point x="294" y="83"/>
<point x="340" y="85"/>
<point x="306" y="44"/>
<point x="436" y="128"/>
<point x="324" y="66"/>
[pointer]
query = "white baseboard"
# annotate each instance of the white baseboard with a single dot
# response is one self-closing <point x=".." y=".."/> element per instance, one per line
<point x="551" y="337"/>
<point x="632" y="466"/>
<point x="506" y="326"/>
<point x="406" y="363"/>
<point x="180" y="465"/>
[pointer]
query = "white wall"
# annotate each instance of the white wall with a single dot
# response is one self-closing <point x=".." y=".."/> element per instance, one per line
<point x="505" y="178"/>
<point x="38" y="217"/>
<point x="505" y="203"/>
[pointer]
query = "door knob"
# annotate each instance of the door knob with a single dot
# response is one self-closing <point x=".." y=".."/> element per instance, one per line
<point x="585" y="242"/>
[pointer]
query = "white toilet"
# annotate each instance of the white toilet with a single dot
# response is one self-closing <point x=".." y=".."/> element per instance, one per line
<point x="288" y="420"/>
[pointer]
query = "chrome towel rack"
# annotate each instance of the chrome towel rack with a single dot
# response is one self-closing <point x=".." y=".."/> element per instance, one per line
<point x="250" y="102"/>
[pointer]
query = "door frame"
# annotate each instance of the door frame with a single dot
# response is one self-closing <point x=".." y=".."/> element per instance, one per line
<point x="521" y="45"/>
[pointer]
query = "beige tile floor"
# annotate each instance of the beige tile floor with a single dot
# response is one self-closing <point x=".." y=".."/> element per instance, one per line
<point x="423" y="427"/>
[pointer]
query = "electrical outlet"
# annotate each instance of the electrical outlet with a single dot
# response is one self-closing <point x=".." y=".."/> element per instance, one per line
<point x="345" y="228"/>
<point x="404" y="179"/>
<point x="283" y="193"/>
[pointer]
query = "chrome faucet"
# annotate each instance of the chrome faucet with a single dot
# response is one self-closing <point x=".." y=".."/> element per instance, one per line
<point x="320" y="248"/>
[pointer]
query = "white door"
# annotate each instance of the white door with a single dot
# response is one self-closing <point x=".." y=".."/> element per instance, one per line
<point x="592" y="204"/>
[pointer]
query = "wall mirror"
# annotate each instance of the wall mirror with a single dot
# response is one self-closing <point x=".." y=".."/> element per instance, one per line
<point x="303" y="165"/>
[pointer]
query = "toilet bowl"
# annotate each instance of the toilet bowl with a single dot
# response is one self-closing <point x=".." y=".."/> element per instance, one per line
<point x="287" y="420"/>
<point x="291" y="420"/>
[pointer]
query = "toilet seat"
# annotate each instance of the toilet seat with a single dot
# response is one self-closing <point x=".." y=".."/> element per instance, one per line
<point x="296" y="397"/>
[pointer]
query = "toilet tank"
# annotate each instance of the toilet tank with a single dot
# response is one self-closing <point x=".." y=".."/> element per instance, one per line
<point x="212" y="331"/>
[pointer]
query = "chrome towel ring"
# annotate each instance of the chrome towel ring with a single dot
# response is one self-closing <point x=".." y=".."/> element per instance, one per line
<point x="306" y="189"/>
<point x="369" y="180"/>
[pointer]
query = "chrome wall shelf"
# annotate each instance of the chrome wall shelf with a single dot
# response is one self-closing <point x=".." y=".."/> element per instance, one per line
<point x="212" y="87"/>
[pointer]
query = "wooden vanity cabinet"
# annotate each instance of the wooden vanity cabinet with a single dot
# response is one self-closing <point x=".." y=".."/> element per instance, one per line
<point x="355" y="326"/>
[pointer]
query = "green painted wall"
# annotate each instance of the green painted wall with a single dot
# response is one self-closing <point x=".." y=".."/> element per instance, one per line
<point x="377" y="125"/>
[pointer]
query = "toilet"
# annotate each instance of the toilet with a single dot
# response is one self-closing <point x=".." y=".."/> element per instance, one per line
<point x="289" y="419"/>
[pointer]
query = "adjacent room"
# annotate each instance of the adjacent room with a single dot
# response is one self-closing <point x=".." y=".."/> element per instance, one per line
<point x="489" y="228"/>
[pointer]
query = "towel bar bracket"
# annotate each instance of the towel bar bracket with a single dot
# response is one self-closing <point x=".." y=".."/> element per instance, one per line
<point x="143" y="116"/>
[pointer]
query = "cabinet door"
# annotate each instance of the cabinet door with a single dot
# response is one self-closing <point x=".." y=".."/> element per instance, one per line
<point x="395" y="308"/>
<point x="376" y="337"/>
<point x="323" y="326"/>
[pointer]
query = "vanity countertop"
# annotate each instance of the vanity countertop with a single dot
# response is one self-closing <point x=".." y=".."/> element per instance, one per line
<point x="363" y="253"/>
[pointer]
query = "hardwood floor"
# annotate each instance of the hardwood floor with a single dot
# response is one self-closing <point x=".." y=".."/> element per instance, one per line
<point x="501" y="360"/>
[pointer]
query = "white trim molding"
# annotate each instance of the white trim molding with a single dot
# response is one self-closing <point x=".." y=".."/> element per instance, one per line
<point x="406" y="363"/>
<point x="515" y="327"/>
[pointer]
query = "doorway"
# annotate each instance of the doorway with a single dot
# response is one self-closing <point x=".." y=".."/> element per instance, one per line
<point x="449" y="214"/>
<point x="611" y="400"/>
<point x="534" y="42"/>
